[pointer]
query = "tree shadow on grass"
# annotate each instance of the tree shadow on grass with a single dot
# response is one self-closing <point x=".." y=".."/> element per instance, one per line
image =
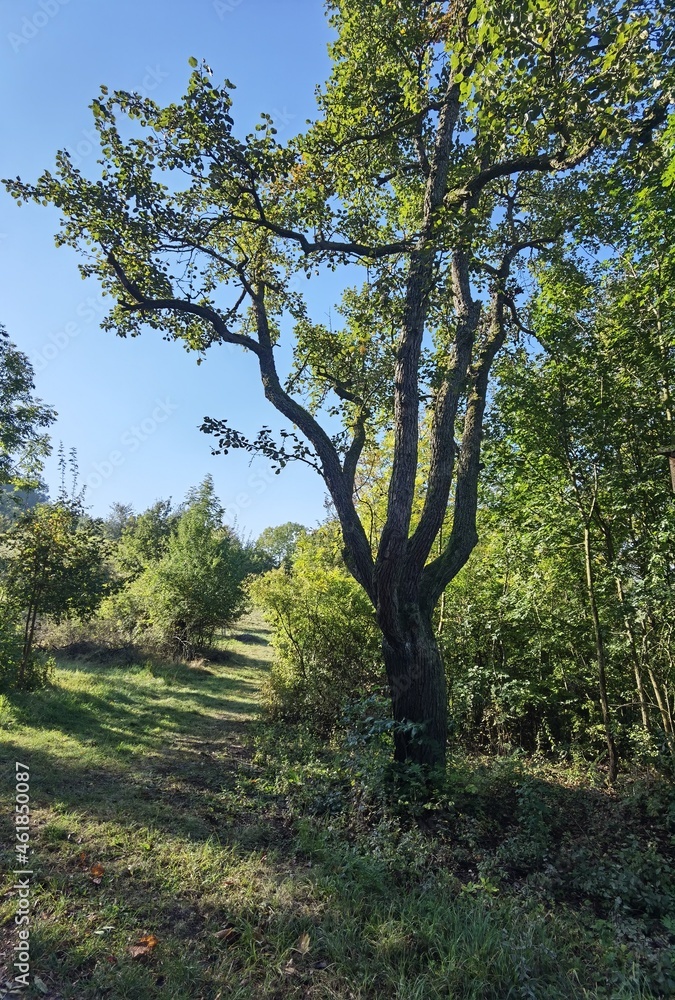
<point x="365" y="936"/>
<point x="134" y="749"/>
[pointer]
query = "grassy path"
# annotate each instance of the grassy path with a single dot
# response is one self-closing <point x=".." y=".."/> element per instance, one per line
<point x="181" y="852"/>
<point x="141" y="771"/>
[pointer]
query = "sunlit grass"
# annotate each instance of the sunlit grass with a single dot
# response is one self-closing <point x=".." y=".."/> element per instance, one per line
<point x="148" y="772"/>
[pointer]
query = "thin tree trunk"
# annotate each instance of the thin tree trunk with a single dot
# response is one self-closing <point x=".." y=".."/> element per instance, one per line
<point x="441" y="616"/>
<point x="634" y="655"/>
<point x="29" y="635"/>
<point x="441" y="605"/>
<point x="664" y="709"/>
<point x="600" y="654"/>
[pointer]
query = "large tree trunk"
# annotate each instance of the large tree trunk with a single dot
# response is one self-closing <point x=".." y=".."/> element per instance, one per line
<point x="417" y="686"/>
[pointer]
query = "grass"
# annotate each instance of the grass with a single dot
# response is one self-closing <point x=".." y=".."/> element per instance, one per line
<point x="266" y="864"/>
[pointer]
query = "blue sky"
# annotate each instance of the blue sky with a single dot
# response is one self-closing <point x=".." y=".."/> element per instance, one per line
<point x="132" y="408"/>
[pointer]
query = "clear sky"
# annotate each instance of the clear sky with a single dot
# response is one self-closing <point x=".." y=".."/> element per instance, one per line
<point x="132" y="408"/>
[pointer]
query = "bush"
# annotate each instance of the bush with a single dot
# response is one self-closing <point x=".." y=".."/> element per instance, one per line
<point x="10" y="647"/>
<point x="34" y="673"/>
<point x="324" y="632"/>
<point x="53" y="566"/>
<point x="181" y="599"/>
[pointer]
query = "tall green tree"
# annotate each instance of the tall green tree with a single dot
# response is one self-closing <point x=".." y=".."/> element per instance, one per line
<point x="144" y="537"/>
<point x="23" y="419"/>
<point x="579" y="427"/>
<point x="279" y="543"/>
<point x="195" y="588"/>
<point x="453" y="140"/>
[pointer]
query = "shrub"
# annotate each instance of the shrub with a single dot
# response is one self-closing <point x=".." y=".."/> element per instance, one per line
<point x="53" y="563"/>
<point x="35" y="672"/>
<point x="324" y="633"/>
<point x="180" y="600"/>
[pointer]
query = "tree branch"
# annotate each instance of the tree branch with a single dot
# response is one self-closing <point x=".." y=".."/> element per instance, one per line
<point x="463" y="536"/>
<point x="357" y="549"/>
<point x="145" y="304"/>
<point x="388" y="567"/>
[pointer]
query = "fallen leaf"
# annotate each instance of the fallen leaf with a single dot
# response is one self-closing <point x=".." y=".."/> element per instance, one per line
<point x="37" y="982"/>
<point x="139" y="950"/>
<point x="228" y="934"/>
<point x="82" y="858"/>
<point x="144" y="946"/>
<point x="302" y="945"/>
<point x="97" y="870"/>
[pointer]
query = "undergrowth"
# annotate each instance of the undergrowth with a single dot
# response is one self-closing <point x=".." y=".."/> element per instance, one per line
<point x="260" y="861"/>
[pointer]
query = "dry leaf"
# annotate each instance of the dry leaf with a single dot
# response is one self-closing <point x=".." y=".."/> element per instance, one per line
<point x="139" y="950"/>
<point x="97" y="870"/>
<point x="302" y="945"/>
<point x="228" y="934"/>
<point x="143" y="946"/>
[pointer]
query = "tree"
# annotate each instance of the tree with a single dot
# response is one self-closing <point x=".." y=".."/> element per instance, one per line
<point x="454" y="141"/>
<point x="23" y="444"/>
<point x="279" y="543"/>
<point x="117" y="520"/>
<point x="578" y="425"/>
<point x="144" y="537"/>
<point x="195" y="588"/>
<point x="53" y="561"/>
